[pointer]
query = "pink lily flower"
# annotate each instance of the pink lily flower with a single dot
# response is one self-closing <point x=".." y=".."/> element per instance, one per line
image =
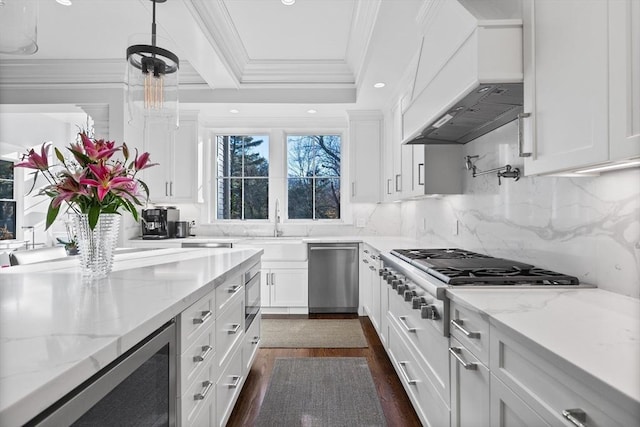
<point x="36" y="161"/>
<point x="98" y="150"/>
<point x="105" y="181"/>
<point x="67" y="190"/>
<point x="142" y="161"/>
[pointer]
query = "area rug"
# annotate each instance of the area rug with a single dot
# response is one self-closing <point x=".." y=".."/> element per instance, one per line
<point x="312" y="333"/>
<point x="321" y="391"/>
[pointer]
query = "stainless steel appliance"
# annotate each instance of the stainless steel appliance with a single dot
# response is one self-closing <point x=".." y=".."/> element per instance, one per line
<point x="251" y="295"/>
<point x="182" y="229"/>
<point x="333" y="278"/>
<point x="138" y="388"/>
<point x="159" y="223"/>
<point x="422" y="277"/>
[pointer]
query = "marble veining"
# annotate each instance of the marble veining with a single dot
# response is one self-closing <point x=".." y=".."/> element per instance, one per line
<point x="58" y="329"/>
<point x="595" y="331"/>
<point x="588" y="227"/>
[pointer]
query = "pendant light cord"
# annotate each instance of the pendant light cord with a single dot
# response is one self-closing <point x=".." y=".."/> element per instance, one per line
<point x="153" y="26"/>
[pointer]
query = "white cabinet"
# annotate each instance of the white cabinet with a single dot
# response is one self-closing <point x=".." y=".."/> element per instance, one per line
<point x="624" y="78"/>
<point x="284" y="287"/>
<point x="469" y="388"/>
<point x="579" y="85"/>
<point x="370" y="284"/>
<point x="365" y="138"/>
<point x="174" y="179"/>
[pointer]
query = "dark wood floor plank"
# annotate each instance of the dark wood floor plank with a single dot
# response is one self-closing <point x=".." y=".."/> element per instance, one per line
<point x="395" y="404"/>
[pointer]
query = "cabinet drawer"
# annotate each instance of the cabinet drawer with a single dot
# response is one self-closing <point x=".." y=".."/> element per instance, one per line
<point x="199" y="395"/>
<point x="206" y="416"/>
<point x="471" y="329"/>
<point x="229" y="329"/>
<point x="508" y="410"/>
<point x="424" y="339"/>
<point x="195" y="319"/>
<point x="228" y="290"/>
<point x="196" y="357"/>
<point x="549" y="388"/>
<point x="429" y="406"/>
<point x="469" y="388"/>
<point x="228" y="388"/>
<point x="251" y="343"/>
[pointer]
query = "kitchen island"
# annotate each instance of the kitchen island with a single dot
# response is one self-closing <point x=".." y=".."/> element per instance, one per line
<point x="58" y="329"/>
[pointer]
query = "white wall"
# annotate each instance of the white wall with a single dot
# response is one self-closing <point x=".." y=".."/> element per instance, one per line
<point x="588" y="226"/>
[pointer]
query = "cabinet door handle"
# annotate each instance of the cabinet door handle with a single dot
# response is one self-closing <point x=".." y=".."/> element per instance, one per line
<point x="233" y="289"/>
<point x="353" y="189"/>
<point x="371" y="267"/>
<point x="420" y="175"/>
<point x="206" y="350"/>
<point x="398" y="182"/>
<point x="203" y="394"/>
<point x="235" y="381"/>
<point x="273" y="279"/>
<point x="405" y="375"/>
<point x="365" y="261"/>
<point x="403" y="321"/>
<point x="171" y="188"/>
<point x="256" y="341"/>
<point x="166" y="188"/>
<point x="455" y="352"/>
<point x="267" y="277"/>
<point x="205" y="316"/>
<point x="521" y="152"/>
<point x="458" y="324"/>
<point x="389" y="181"/>
<point x="577" y="417"/>
<point x="234" y="329"/>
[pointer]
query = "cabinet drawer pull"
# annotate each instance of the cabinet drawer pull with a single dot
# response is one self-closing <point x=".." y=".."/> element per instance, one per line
<point x="403" y="320"/>
<point x="455" y="352"/>
<point x="256" y="341"/>
<point x="405" y="375"/>
<point x="371" y="267"/>
<point x="366" y="261"/>
<point x="203" y="394"/>
<point x="458" y="324"/>
<point x="233" y="289"/>
<point x="234" y="329"/>
<point x="521" y="152"/>
<point x="205" y="316"/>
<point x="235" y="382"/>
<point x="577" y="417"/>
<point x="206" y="350"/>
<point x="366" y="251"/>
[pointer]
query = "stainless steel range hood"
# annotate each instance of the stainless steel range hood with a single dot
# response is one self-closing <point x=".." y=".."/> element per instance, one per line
<point x="485" y="108"/>
<point x="478" y="89"/>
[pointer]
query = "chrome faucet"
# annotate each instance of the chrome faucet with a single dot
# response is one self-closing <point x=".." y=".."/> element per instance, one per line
<point x="276" y="232"/>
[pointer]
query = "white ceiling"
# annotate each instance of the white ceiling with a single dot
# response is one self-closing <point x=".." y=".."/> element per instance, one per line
<point x="321" y="54"/>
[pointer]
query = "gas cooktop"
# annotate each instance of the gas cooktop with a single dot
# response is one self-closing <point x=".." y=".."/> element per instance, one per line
<point x="461" y="267"/>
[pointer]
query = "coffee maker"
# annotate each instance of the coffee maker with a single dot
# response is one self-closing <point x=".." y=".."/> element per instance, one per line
<point x="159" y="223"/>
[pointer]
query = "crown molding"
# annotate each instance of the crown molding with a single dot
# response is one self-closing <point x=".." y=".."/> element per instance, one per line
<point x="310" y="72"/>
<point x="364" y="18"/>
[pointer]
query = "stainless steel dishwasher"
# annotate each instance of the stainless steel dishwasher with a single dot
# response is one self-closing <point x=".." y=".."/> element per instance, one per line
<point x="333" y="277"/>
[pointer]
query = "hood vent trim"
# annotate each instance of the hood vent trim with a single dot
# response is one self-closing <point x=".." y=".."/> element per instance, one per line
<point x="486" y="108"/>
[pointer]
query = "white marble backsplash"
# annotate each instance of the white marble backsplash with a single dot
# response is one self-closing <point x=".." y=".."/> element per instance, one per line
<point x="587" y="226"/>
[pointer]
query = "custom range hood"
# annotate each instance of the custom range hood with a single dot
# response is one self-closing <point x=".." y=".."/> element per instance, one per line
<point x="478" y="89"/>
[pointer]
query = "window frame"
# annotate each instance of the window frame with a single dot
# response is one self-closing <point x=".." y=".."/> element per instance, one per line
<point x="343" y="199"/>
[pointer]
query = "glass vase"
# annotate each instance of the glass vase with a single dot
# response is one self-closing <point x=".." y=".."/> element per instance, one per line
<point x="97" y="246"/>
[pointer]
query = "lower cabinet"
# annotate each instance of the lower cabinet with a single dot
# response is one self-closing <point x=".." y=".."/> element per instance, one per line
<point x="215" y="354"/>
<point x="508" y="410"/>
<point x="470" y="381"/>
<point x="284" y="288"/>
<point x="370" y="284"/>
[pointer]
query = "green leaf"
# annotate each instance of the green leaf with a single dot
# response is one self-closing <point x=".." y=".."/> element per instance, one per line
<point x="52" y="214"/>
<point x="145" y="188"/>
<point x="94" y="214"/>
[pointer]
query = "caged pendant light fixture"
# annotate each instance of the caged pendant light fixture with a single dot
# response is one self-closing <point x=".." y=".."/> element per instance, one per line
<point x="152" y="78"/>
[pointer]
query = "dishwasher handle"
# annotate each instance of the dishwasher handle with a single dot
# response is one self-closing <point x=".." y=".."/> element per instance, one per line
<point x="333" y="248"/>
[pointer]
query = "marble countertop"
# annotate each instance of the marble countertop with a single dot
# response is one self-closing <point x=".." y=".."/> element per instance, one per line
<point x="595" y="331"/>
<point x="57" y="329"/>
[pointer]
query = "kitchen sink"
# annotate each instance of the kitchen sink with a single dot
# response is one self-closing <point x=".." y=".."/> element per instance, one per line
<point x="277" y="248"/>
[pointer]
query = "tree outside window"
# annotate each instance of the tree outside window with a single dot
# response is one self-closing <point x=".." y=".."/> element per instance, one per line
<point x="313" y="176"/>
<point x="242" y="178"/>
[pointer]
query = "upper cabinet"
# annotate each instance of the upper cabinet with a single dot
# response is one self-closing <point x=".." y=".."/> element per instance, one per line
<point x="582" y="92"/>
<point x="174" y="180"/>
<point x="365" y="138"/>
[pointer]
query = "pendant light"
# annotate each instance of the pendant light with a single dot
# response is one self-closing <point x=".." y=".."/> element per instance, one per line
<point x="152" y="78"/>
<point x="18" y="27"/>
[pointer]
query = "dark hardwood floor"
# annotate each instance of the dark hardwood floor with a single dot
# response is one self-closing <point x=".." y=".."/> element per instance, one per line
<point x="393" y="399"/>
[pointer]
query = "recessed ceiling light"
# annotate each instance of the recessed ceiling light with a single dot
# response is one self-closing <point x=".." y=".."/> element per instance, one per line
<point x="288" y="2"/>
<point x="64" y="2"/>
<point x="379" y="85"/>
<point x="312" y="111"/>
<point x="234" y="111"/>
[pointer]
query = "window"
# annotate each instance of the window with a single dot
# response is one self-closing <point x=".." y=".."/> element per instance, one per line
<point x="242" y="177"/>
<point x="313" y="176"/>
